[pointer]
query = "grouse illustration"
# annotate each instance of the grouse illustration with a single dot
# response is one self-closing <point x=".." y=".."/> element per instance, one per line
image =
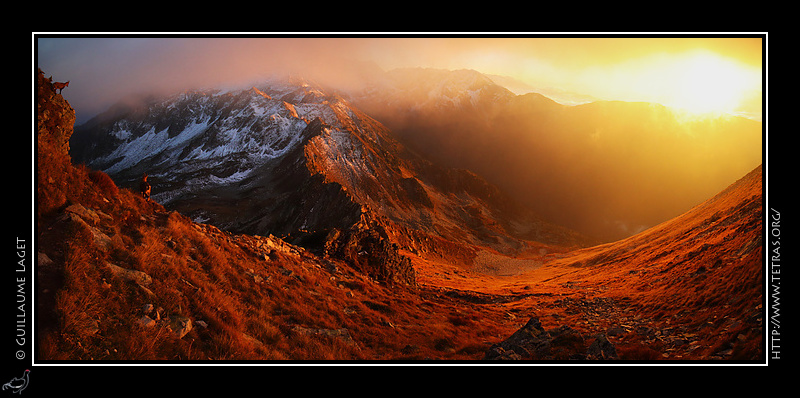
<point x="18" y="383"/>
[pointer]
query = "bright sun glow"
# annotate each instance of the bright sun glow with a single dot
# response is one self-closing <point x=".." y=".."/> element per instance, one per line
<point x="696" y="82"/>
<point x="706" y="83"/>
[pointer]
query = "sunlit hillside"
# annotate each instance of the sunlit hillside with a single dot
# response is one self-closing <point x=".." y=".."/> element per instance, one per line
<point x="122" y="278"/>
<point x="606" y="169"/>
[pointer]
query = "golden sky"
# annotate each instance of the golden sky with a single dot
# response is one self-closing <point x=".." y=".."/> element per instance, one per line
<point x="698" y="74"/>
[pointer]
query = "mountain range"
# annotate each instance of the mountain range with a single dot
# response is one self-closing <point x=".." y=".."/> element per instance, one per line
<point x="289" y="158"/>
<point x="382" y="252"/>
<point x="604" y="170"/>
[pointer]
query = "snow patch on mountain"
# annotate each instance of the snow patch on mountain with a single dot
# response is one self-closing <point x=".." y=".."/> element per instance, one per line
<point x="258" y="130"/>
<point x="265" y="148"/>
<point x="148" y="144"/>
<point x="344" y="156"/>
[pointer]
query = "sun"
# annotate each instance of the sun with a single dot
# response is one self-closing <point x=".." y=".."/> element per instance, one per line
<point x="696" y="82"/>
<point x="702" y="83"/>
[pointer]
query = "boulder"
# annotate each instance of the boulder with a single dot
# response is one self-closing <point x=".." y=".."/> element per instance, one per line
<point x="130" y="275"/>
<point x="146" y="322"/>
<point x="601" y="349"/>
<point x="180" y="325"/>
<point x="533" y="342"/>
<point x="85" y="219"/>
<point x="88" y="215"/>
<point x="368" y="249"/>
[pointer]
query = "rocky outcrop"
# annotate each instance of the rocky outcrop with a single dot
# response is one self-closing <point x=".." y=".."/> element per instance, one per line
<point x="80" y="219"/>
<point x="533" y="342"/>
<point x="367" y="247"/>
<point x="54" y="116"/>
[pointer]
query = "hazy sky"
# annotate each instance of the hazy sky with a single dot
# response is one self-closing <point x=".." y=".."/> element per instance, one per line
<point x="694" y="72"/>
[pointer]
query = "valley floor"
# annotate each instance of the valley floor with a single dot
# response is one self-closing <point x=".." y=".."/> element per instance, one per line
<point x="688" y="289"/>
<point x="120" y="278"/>
<point x="560" y="294"/>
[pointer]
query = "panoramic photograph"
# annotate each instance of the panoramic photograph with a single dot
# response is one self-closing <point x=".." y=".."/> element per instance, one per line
<point x="580" y="200"/>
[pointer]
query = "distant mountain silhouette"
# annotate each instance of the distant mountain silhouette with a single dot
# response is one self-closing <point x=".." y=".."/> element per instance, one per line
<point x="606" y="169"/>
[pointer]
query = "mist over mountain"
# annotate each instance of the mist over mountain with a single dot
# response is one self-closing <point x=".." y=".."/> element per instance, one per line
<point x="291" y="157"/>
<point x="389" y="255"/>
<point x="607" y="169"/>
<point x="556" y="94"/>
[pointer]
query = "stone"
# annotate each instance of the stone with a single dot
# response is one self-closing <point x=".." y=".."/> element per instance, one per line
<point x="368" y="248"/>
<point x="130" y="275"/>
<point x="88" y="215"/>
<point x="76" y="218"/>
<point x="146" y="322"/>
<point x="343" y="334"/>
<point x="533" y="342"/>
<point x="180" y="325"/>
<point x="522" y="343"/>
<point x="601" y="349"/>
<point x="43" y="260"/>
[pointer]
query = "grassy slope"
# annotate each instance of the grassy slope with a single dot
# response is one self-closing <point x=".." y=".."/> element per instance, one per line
<point x="689" y="288"/>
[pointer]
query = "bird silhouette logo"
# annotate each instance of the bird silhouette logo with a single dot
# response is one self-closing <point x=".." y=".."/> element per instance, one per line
<point x="18" y="384"/>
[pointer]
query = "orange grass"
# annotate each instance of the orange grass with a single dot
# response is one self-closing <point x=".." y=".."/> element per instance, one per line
<point x="250" y="302"/>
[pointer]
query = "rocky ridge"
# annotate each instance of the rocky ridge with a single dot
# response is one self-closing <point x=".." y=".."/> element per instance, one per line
<point x="288" y="158"/>
<point x="108" y="258"/>
<point x="115" y="271"/>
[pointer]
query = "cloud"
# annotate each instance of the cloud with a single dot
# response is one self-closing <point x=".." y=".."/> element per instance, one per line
<point x="104" y="70"/>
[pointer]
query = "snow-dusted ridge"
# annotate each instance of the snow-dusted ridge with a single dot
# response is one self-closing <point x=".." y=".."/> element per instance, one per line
<point x="283" y="155"/>
<point x="198" y="130"/>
